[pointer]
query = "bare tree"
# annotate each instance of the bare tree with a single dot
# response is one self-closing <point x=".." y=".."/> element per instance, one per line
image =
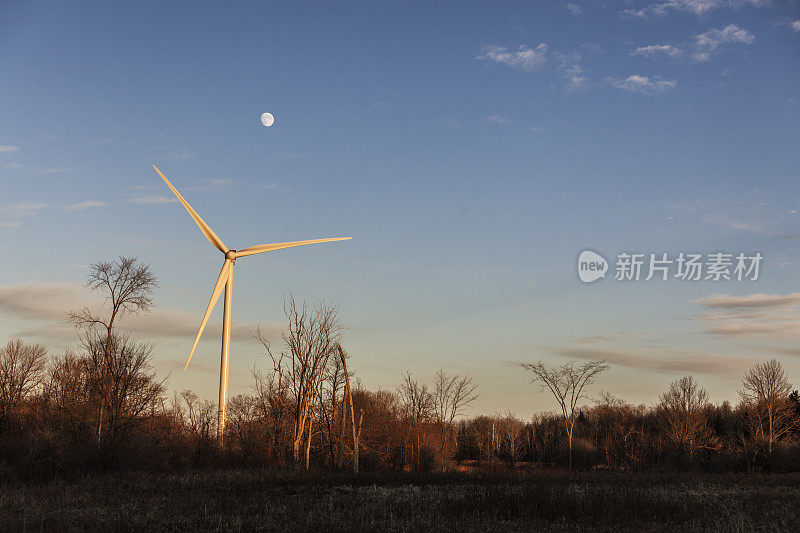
<point x="310" y="340"/>
<point x="22" y="372"/>
<point x="417" y="403"/>
<point x="683" y="416"/>
<point x="567" y="383"/>
<point x="348" y="397"/>
<point x="128" y="286"/>
<point x="451" y="395"/>
<point x="201" y="416"/>
<point x="271" y="399"/>
<point x="765" y="394"/>
<point x="511" y="435"/>
<point x="123" y="380"/>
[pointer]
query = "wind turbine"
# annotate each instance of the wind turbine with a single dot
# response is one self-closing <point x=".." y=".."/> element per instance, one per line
<point x="225" y="281"/>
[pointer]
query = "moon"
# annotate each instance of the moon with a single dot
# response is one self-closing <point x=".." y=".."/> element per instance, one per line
<point x="267" y="119"/>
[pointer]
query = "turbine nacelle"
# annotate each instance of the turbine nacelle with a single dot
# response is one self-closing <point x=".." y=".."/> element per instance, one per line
<point x="230" y="255"/>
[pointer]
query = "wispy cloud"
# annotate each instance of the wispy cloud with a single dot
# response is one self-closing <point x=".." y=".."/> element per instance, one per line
<point x="638" y="83"/>
<point x="523" y="58"/>
<point x="87" y="204"/>
<point x="43" y="308"/>
<point x="216" y="185"/>
<point x="760" y="300"/>
<point x="795" y="25"/>
<point x="706" y="43"/>
<point x="702" y="47"/>
<point x="619" y="336"/>
<point x="656" y="50"/>
<point x="497" y="119"/>
<point x="697" y="7"/>
<point x="575" y="9"/>
<point x="10" y="215"/>
<point x="764" y="219"/>
<point x="573" y="72"/>
<point x="663" y="360"/>
<point x="775" y="315"/>
<point x="6" y="148"/>
<point x="153" y="199"/>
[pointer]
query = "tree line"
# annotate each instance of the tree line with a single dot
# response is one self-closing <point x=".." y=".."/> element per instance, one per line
<point x="103" y="405"/>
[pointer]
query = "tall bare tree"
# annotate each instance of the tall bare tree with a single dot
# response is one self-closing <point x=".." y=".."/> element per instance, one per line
<point x="765" y="394"/>
<point x="684" y="418"/>
<point x="567" y="383"/>
<point x="22" y="372"/>
<point x="310" y="340"/>
<point x="451" y="395"/>
<point x="417" y="402"/>
<point x="128" y="286"/>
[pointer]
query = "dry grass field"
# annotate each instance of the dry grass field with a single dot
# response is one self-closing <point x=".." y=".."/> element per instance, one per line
<point x="236" y="500"/>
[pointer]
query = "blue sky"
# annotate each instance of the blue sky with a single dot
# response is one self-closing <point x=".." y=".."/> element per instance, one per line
<point x="472" y="149"/>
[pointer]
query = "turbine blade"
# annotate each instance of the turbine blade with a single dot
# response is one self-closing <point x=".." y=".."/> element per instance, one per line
<point x="224" y="275"/>
<point x="280" y="245"/>
<point x="207" y="231"/>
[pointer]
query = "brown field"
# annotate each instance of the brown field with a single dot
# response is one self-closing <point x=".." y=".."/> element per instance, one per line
<point x="266" y="500"/>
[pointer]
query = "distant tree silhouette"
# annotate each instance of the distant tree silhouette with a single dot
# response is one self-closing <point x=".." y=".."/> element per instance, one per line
<point x="765" y="395"/>
<point x="22" y="373"/>
<point x="568" y="384"/>
<point x="127" y="285"/>
<point x="684" y="419"/>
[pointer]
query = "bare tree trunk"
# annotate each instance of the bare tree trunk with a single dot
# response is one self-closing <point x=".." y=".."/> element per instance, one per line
<point x="103" y="384"/>
<point x="308" y="442"/>
<point x="298" y="435"/>
<point x="349" y="392"/>
<point x="570" y="450"/>
<point x="356" y="439"/>
<point x="491" y="447"/>
<point x="339" y="452"/>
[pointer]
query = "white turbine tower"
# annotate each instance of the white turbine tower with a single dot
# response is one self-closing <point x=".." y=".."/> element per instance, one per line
<point x="225" y="281"/>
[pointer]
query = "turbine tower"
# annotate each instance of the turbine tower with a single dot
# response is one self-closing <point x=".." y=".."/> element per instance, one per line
<point x="225" y="281"/>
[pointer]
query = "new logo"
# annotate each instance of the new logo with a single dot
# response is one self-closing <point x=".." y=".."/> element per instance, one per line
<point x="591" y="266"/>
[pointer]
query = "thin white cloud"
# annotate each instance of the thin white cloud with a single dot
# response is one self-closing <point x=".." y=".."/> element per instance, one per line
<point x="216" y="185"/>
<point x="696" y="7"/>
<point x="773" y="315"/>
<point x="661" y="359"/>
<point x="795" y="25"/>
<point x="657" y="50"/>
<point x="706" y="43"/>
<point x="6" y="148"/>
<point x="760" y="300"/>
<point x="575" y="9"/>
<point x="87" y="204"/>
<point x="497" y="119"/>
<point x="570" y="68"/>
<point x="638" y="83"/>
<point x="10" y="215"/>
<point x="523" y="58"/>
<point x="153" y="199"/>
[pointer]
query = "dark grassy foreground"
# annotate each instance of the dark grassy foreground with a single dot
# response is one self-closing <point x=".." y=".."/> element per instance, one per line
<point x="234" y="500"/>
